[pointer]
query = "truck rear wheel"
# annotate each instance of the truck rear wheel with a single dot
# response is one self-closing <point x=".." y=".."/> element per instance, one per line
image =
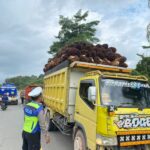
<point x="79" y="141"/>
<point x="49" y="123"/>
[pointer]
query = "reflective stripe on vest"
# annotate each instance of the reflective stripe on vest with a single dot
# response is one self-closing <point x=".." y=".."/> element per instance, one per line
<point x="32" y="104"/>
<point x="31" y="122"/>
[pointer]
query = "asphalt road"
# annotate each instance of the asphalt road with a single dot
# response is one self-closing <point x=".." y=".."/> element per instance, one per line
<point x="11" y="122"/>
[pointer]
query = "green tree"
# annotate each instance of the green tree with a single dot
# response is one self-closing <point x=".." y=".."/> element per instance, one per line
<point x="143" y="66"/>
<point x="75" y="29"/>
<point x="22" y="81"/>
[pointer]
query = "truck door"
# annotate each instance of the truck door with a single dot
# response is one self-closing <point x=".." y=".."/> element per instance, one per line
<point x="85" y="112"/>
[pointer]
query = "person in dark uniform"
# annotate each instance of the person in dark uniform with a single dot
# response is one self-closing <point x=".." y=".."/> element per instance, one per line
<point x="22" y="96"/>
<point x="34" y="122"/>
<point x="5" y="99"/>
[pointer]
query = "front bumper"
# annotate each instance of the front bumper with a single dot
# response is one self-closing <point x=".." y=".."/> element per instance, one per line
<point x="13" y="102"/>
<point x="125" y="139"/>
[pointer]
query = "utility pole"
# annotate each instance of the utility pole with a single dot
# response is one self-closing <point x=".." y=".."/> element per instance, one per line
<point x="148" y="32"/>
<point x="148" y="38"/>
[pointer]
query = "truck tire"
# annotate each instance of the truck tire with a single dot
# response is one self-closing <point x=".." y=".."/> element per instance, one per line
<point x="79" y="141"/>
<point x="49" y="123"/>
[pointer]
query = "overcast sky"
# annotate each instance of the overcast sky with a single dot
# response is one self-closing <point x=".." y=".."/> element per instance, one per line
<point x="28" y="27"/>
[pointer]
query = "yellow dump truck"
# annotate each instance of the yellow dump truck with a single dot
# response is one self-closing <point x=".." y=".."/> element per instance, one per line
<point x="103" y="107"/>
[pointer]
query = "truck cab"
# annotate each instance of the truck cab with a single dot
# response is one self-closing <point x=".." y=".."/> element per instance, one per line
<point x="113" y="111"/>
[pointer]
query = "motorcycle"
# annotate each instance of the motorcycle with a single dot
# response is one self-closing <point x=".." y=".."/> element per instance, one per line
<point x="3" y="106"/>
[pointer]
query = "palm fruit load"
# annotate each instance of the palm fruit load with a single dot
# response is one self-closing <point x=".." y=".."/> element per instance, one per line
<point x="84" y="52"/>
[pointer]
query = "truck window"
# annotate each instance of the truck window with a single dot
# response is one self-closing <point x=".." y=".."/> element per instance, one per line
<point x="84" y="85"/>
<point x="125" y="93"/>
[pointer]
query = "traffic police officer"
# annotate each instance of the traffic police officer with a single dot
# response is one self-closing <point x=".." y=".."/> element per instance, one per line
<point x="34" y="122"/>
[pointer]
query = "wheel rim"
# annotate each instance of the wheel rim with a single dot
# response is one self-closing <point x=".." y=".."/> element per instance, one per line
<point x="78" y="143"/>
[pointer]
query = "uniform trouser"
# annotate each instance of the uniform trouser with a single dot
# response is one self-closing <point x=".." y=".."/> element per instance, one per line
<point x="31" y="141"/>
<point x="22" y="100"/>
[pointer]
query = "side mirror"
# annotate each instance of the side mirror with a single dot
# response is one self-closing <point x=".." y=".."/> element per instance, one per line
<point x="92" y="93"/>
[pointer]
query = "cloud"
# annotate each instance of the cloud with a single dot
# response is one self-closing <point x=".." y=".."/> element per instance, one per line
<point x="126" y="31"/>
<point x="28" y="28"/>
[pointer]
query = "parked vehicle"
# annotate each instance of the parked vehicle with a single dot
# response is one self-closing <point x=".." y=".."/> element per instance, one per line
<point x="11" y="91"/>
<point x="103" y="107"/>
<point x="27" y="90"/>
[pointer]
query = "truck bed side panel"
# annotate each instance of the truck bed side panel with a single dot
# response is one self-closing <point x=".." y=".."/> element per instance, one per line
<point x="56" y="91"/>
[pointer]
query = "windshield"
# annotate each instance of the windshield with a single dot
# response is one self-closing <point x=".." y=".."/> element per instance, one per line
<point x="125" y="93"/>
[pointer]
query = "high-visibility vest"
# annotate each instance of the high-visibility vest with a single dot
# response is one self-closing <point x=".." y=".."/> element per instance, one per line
<point x="31" y="121"/>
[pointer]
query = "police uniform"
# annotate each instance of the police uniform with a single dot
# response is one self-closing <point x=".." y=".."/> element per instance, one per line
<point x="5" y="99"/>
<point x="33" y="122"/>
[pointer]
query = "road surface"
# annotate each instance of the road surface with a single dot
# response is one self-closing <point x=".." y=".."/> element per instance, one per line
<point x="11" y="122"/>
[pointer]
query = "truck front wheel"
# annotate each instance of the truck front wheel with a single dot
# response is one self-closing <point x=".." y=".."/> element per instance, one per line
<point x="79" y="141"/>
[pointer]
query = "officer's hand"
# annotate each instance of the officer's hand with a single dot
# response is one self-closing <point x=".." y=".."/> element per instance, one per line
<point x="47" y="139"/>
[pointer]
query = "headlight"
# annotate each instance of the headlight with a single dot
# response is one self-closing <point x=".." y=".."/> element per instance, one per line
<point x="106" y="141"/>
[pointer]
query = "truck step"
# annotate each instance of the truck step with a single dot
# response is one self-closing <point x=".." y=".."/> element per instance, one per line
<point x="66" y="131"/>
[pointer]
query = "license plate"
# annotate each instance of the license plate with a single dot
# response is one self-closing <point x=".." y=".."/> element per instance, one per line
<point x="135" y="139"/>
